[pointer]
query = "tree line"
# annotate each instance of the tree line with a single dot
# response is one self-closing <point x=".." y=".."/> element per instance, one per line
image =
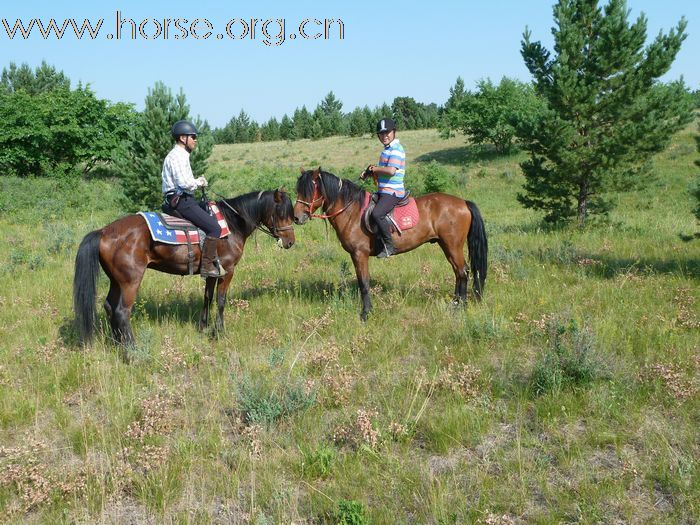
<point x="328" y="120"/>
<point x="590" y="121"/>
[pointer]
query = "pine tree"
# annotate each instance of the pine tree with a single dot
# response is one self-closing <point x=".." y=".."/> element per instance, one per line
<point x="605" y="114"/>
<point x="286" y="128"/>
<point x="302" y="124"/>
<point x="332" y="122"/>
<point x="141" y="161"/>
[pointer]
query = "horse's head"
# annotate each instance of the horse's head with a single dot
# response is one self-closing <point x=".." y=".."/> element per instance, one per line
<point x="280" y="220"/>
<point x="309" y="195"/>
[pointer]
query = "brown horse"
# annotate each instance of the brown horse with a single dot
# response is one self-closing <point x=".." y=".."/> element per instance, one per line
<point x="125" y="249"/>
<point x="445" y="219"/>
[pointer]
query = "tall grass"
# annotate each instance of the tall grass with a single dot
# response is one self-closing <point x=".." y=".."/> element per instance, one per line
<point x="570" y="394"/>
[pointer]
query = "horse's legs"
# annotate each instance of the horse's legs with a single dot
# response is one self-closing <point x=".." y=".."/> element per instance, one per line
<point x="120" y="300"/>
<point x="455" y="256"/>
<point x="123" y="313"/>
<point x="221" y="290"/>
<point x="360" y="260"/>
<point x="209" y="286"/>
<point x="111" y="303"/>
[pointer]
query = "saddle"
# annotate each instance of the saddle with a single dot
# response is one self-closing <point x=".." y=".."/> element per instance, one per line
<point x="402" y="217"/>
<point x="170" y="229"/>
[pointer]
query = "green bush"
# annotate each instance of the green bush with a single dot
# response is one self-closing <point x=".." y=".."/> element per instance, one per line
<point x="350" y="513"/>
<point x="567" y="361"/>
<point x="429" y="178"/>
<point x="260" y="404"/>
<point x="59" y="133"/>
<point x="317" y="463"/>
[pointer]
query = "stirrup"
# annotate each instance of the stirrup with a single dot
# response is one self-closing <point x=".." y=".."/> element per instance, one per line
<point x="386" y="253"/>
<point x="220" y="272"/>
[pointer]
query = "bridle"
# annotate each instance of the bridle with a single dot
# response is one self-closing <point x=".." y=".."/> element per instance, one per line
<point x="272" y="232"/>
<point x="321" y="197"/>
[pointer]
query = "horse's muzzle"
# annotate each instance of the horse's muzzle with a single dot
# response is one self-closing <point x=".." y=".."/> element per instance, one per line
<point x="285" y="243"/>
<point x="301" y="218"/>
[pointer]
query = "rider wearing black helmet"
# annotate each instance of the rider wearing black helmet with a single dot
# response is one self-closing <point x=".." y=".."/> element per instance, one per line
<point x="389" y="175"/>
<point x="179" y="186"/>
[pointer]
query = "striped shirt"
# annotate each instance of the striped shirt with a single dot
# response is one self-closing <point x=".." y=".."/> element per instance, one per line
<point x="393" y="156"/>
<point x="177" y="172"/>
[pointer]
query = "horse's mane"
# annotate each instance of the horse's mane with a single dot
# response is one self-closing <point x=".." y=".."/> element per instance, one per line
<point x="252" y="208"/>
<point x="331" y="186"/>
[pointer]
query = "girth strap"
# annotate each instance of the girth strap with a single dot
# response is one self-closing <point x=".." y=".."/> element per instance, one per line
<point x="190" y="254"/>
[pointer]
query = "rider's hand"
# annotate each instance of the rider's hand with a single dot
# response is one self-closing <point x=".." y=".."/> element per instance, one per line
<point x="202" y="182"/>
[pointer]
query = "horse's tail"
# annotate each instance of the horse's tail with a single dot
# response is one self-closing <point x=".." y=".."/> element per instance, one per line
<point x="87" y="268"/>
<point x="478" y="249"/>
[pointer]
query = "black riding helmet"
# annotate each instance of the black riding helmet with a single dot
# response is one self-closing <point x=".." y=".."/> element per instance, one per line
<point x="183" y="127"/>
<point x="386" y="124"/>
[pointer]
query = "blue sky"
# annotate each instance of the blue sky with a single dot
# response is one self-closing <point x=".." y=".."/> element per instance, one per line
<point x="389" y="49"/>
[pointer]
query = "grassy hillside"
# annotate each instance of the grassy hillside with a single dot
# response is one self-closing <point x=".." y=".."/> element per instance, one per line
<point x="570" y="394"/>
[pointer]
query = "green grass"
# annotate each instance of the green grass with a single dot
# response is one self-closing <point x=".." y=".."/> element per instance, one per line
<point x="570" y="394"/>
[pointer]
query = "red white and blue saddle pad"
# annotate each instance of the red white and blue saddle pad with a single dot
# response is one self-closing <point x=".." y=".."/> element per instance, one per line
<point x="402" y="217"/>
<point x="171" y="230"/>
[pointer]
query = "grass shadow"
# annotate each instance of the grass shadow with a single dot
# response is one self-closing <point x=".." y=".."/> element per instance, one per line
<point x="611" y="267"/>
<point x="465" y="155"/>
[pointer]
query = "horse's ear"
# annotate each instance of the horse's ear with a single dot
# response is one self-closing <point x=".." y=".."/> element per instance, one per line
<point x="302" y="170"/>
<point x="279" y="195"/>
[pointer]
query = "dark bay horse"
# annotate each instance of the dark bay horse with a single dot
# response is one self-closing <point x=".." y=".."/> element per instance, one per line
<point x="124" y="249"/>
<point x="444" y="219"/>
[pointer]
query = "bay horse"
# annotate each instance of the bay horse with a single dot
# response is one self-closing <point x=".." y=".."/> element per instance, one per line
<point x="444" y="219"/>
<point x="124" y="249"/>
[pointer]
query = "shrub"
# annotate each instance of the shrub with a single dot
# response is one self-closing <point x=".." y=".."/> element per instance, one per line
<point x="350" y="512"/>
<point x="317" y="463"/>
<point x="568" y="359"/>
<point x="434" y="177"/>
<point x="259" y="404"/>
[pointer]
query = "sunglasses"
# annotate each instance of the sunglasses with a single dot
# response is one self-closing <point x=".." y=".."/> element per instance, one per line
<point x="194" y="137"/>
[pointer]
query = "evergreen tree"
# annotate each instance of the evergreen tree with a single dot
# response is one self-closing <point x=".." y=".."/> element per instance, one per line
<point x="270" y="130"/>
<point x="405" y="111"/>
<point x="302" y="124"/>
<point x="243" y="128"/>
<point x="149" y="142"/>
<point x="332" y="122"/>
<point x="605" y="115"/>
<point x="316" y="130"/>
<point x="357" y="123"/>
<point x="286" y="128"/>
<point x="369" y="119"/>
<point x="43" y="79"/>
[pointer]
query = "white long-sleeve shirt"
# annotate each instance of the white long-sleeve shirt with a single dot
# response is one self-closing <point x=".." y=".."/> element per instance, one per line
<point x="177" y="172"/>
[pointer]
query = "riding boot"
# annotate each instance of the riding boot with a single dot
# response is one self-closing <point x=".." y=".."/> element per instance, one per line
<point x="210" y="263"/>
<point x="384" y="231"/>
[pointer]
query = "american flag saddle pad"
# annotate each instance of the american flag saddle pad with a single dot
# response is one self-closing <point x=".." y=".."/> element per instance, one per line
<point x="171" y="230"/>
